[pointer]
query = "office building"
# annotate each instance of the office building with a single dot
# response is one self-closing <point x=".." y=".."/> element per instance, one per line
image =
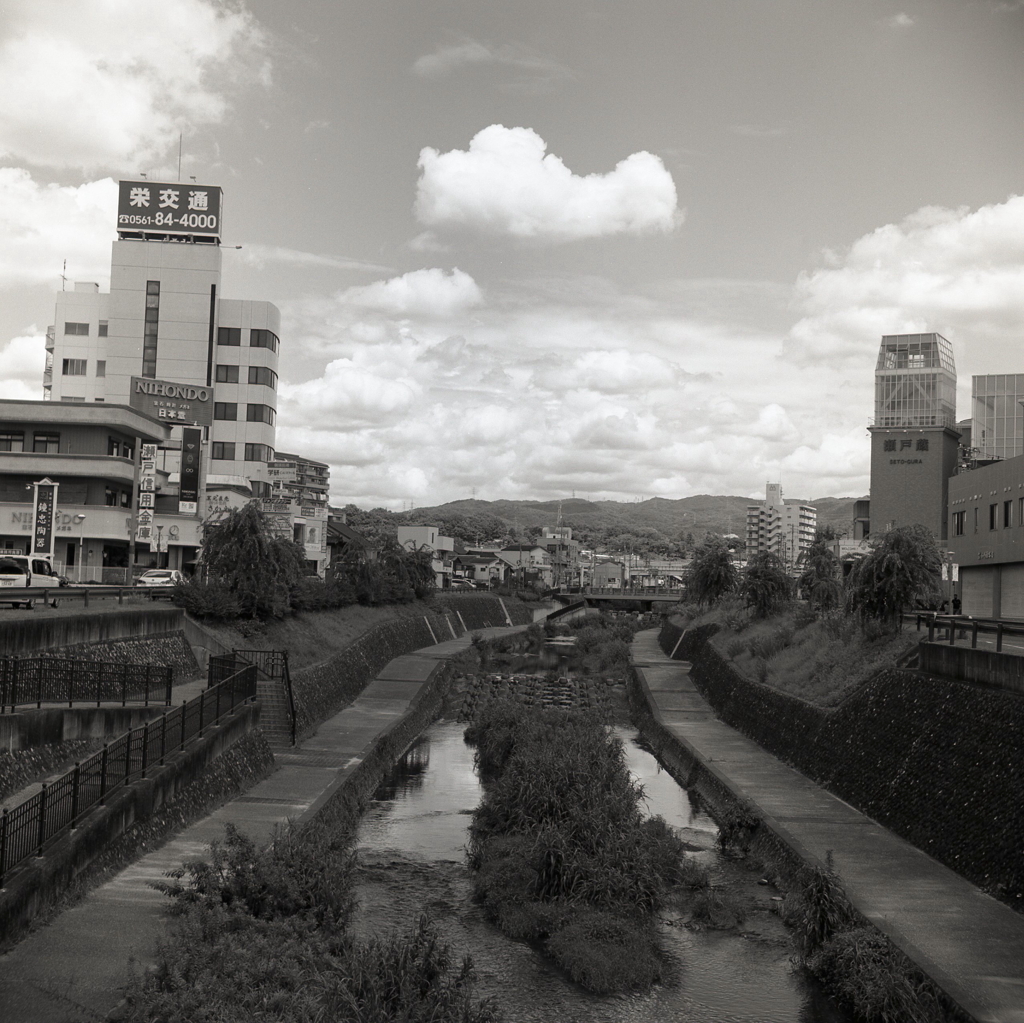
<point x="166" y="342"/>
<point x="914" y="441"/>
<point x="785" y="530"/>
<point x="298" y="504"/>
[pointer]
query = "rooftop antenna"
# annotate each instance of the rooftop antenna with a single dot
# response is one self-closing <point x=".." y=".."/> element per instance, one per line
<point x="179" y="154"/>
<point x="63" y="275"/>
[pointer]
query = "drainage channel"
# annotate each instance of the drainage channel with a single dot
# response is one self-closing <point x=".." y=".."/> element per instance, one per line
<point x="412" y="859"/>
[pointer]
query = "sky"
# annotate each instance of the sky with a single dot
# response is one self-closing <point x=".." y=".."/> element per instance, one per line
<point x="530" y="250"/>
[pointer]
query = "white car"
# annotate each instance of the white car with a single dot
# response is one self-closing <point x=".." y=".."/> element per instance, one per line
<point x="21" y="571"/>
<point x="159" y="579"/>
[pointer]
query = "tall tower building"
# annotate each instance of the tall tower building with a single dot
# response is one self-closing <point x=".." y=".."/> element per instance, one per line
<point x="997" y="429"/>
<point x="165" y="341"/>
<point x="913" y="440"/>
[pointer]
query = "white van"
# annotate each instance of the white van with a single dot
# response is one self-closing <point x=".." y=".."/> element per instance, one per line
<point x="19" y="572"/>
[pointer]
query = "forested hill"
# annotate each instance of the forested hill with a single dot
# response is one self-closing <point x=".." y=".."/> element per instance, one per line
<point x="660" y="522"/>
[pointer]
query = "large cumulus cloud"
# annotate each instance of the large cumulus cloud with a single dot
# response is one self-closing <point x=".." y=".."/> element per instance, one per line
<point x="507" y="184"/>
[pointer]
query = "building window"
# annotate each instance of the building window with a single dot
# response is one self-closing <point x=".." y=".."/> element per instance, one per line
<point x="12" y="442"/>
<point x="1007" y="514"/>
<point x="959" y="523"/>
<point x="101" y="367"/>
<point x="263" y="339"/>
<point x="74" y="368"/>
<point x="260" y="414"/>
<point x="229" y="335"/>
<point x="992" y="510"/>
<point x="223" y="451"/>
<point x="102" y="332"/>
<point x="80" y="329"/>
<point x="227" y="374"/>
<point x="67" y="397"/>
<point x="262" y="375"/>
<point x="46" y="443"/>
<point x="111" y="497"/>
<point x="258" y="453"/>
<point x="113" y="447"/>
<point x="225" y="410"/>
<point x="151" y="329"/>
<point x="975" y="520"/>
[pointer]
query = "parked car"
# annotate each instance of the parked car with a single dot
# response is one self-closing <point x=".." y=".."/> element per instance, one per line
<point x="22" y="571"/>
<point x="159" y="580"/>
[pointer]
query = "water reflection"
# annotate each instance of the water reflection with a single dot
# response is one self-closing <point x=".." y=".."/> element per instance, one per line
<point x="420" y="817"/>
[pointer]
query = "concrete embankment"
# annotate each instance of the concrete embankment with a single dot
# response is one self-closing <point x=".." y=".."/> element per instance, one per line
<point x="969" y="944"/>
<point x="76" y="967"/>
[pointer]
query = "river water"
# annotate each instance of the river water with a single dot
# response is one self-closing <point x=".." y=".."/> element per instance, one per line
<point x="412" y="859"/>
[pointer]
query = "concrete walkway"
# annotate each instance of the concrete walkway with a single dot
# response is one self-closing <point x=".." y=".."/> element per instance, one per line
<point x="968" y="943"/>
<point x="74" y="969"/>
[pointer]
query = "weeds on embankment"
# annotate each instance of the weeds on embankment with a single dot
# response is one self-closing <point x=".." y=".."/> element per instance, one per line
<point x="855" y="963"/>
<point x="262" y="933"/>
<point x="563" y="853"/>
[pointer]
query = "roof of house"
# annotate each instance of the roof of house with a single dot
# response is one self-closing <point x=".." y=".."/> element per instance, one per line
<point x="340" y="532"/>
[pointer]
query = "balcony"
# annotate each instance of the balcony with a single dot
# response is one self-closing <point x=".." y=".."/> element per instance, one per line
<point x="31" y="463"/>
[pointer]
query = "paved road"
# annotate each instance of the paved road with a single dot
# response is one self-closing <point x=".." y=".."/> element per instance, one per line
<point x="73" y="970"/>
<point x="970" y="944"/>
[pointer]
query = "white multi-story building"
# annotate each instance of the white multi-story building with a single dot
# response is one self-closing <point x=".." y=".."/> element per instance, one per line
<point x="165" y="341"/>
<point x="786" y="530"/>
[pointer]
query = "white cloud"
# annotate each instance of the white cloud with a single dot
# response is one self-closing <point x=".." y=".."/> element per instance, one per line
<point x="42" y="225"/>
<point x="447" y="58"/>
<point x="110" y="83"/>
<point x="348" y="395"/>
<point x="900" y="20"/>
<point x="505" y="184"/>
<point x="257" y="255"/>
<point x="420" y="292"/>
<point x="21" y="367"/>
<point x="955" y="271"/>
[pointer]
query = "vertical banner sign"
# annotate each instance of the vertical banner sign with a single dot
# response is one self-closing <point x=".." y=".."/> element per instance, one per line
<point x="147" y="494"/>
<point x="188" y="489"/>
<point x="44" y="508"/>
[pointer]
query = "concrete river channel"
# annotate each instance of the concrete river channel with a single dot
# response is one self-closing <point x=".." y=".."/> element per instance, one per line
<point x="411" y="846"/>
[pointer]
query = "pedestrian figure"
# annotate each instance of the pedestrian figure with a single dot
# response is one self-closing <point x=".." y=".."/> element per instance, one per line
<point x="956" y="604"/>
<point x="942" y="608"/>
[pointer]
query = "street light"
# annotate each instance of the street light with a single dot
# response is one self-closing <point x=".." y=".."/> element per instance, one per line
<point x="80" y="520"/>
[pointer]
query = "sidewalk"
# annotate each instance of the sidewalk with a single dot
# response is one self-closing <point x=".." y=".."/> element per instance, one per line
<point x="74" y="970"/>
<point x="968" y="943"/>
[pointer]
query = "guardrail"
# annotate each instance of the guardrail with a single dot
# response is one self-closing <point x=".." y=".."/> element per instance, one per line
<point x="273" y="665"/>
<point x="634" y="591"/>
<point x="953" y="627"/>
<point x="39" y="680"/>
<point x="26" y="828"/>
<point x="52" y="596"/>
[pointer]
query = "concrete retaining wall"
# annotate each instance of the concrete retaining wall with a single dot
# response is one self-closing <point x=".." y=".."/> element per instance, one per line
<point x="37" y="883"/>
<point x="985" y="667"/>
<point x="24" y="636"/>
<point x="57" y="724"/>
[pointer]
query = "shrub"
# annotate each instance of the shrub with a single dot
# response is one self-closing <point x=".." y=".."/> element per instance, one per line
<point x="206" y="600"/>
<point x="606" y="953"/>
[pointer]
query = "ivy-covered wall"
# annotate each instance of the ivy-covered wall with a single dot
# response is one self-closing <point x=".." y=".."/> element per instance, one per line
<point x="935" y="760"/>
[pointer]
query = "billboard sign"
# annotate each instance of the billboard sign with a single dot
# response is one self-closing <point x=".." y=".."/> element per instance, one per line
<point x="177" y="404"/>
<point x="169" y="208"/>
<point x="44" y="509"/>
<point x="191" y="456"/>
<point x="147" y="494"/>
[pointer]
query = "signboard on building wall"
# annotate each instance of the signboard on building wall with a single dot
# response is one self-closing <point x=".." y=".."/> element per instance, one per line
<point x="166" y="208"/>
<point x="191" y="457"/>
<point x="44" y="508"/>
<point x="181" y="404"/>
<point x="147" y="494"/>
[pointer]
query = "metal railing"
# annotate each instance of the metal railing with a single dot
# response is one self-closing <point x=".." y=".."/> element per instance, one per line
<point x="950" y="628"/>
<point x="64" y="680"/>
<point x="55" y="595"/>
<point x="26" y="828"/>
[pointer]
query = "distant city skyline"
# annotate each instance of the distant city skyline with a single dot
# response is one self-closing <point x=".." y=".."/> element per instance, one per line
<point x="525" y="250"/>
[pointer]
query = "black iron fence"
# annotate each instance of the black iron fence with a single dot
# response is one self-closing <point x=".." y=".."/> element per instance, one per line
<point x="39" y="680"/>
<point x="25" y="829"/>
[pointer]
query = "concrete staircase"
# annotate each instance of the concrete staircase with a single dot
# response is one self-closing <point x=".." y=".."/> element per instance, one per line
<point x="275" y="712"/>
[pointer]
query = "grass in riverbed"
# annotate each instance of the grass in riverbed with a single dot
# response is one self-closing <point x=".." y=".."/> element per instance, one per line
<point x="563" y="852"/>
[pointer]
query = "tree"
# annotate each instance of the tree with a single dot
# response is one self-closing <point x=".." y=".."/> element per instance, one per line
<point x="766" y="586"/>
<point x="821" y="580"/>
<point x="711" y="573"/>
<point x="904" y="568"/>
<point x="260" y="569"/>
